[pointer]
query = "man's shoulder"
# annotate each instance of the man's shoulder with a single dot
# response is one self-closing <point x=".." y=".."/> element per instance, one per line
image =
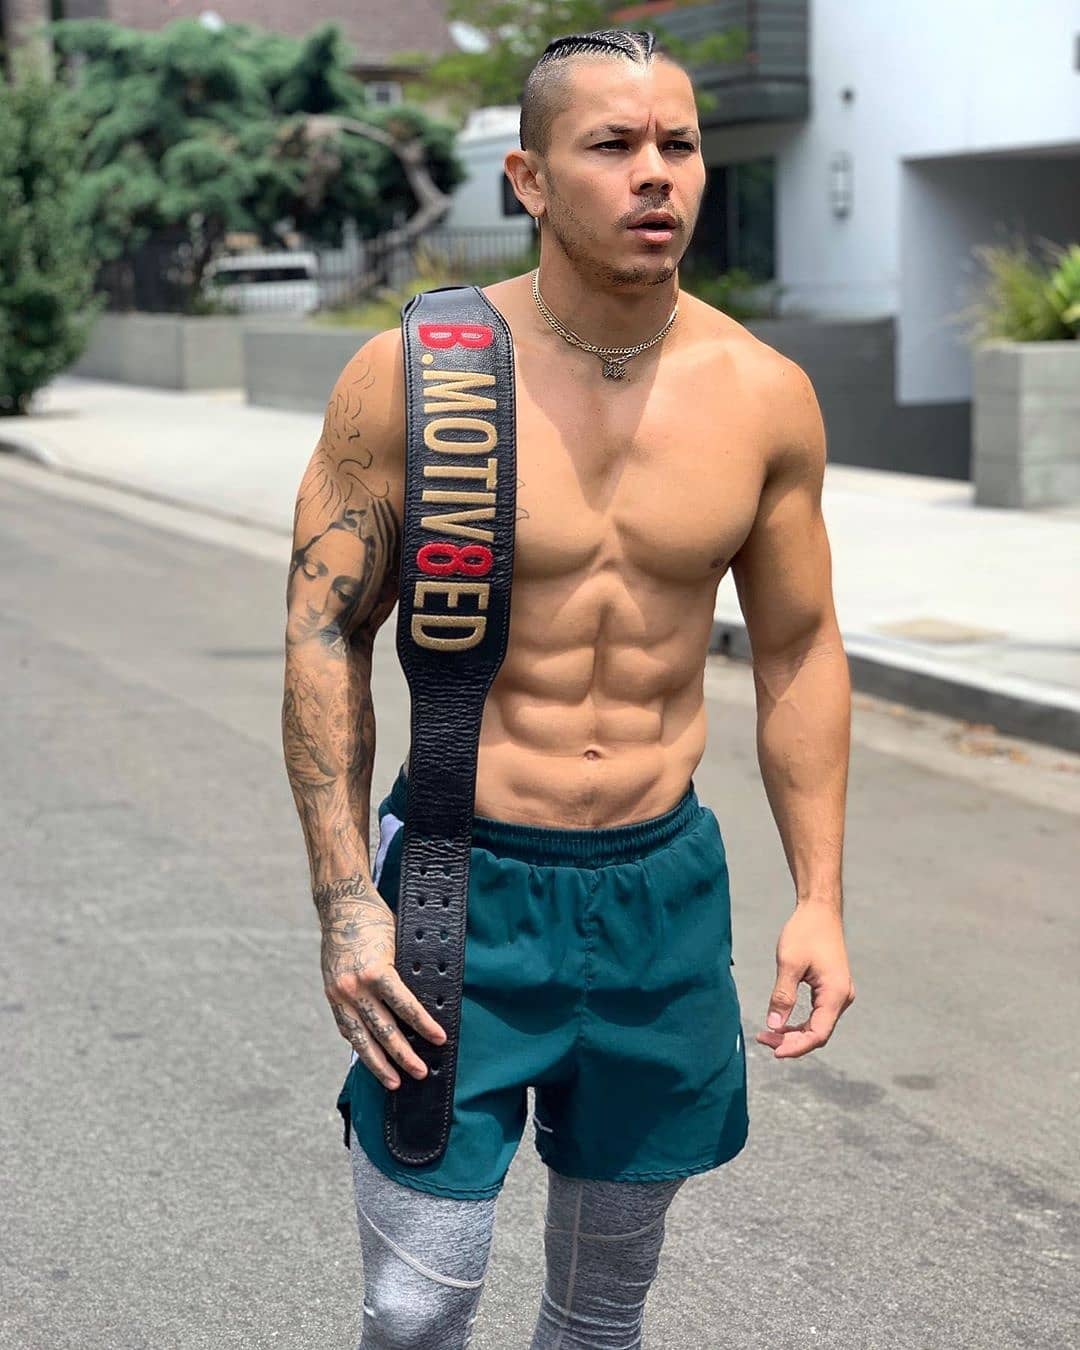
<point x="753" y="370"/>
<point x="379" y="357"/>
<point x="365" y="413"/>
<point x="718" y="338"/>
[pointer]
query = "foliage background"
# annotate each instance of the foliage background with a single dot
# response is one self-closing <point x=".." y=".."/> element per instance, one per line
<point x="46" y="260"/>
<point x="517" y="31"/>
<point x="1027" y="295"/>
<point x="191" y="132"/>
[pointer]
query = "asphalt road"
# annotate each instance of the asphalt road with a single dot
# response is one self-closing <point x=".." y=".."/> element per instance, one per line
<point x="171" y="1161"/>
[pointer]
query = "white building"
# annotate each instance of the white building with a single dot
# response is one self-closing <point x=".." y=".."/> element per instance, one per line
<point x="860" y="152"/>
<point x="485" y="200"/>
<point x="932" y="126"/>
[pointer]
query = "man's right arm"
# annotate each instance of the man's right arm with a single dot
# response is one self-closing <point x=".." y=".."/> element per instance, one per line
<point x="342" y="586"/>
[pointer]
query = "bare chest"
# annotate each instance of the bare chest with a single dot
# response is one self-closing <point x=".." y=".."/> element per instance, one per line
<point x="664" y="481"/>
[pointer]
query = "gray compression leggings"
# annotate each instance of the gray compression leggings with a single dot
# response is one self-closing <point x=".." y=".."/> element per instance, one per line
<point x="425" y="1257"/>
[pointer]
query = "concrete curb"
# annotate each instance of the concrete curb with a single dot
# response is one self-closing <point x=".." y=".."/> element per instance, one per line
<point x="38" y="454"/>
<point x="28" y="448"/>
<point x="1016" y="707"/>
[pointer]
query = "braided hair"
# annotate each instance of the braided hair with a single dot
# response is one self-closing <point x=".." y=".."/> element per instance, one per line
<point x="539" y="102"/>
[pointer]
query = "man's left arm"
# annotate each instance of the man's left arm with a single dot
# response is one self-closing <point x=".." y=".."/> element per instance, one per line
<point x="783" y="577"/>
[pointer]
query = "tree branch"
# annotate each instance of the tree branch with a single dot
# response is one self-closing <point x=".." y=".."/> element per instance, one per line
<point x="432" y="202"/>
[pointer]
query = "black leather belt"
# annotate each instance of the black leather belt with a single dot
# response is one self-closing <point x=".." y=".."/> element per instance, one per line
<point x="457" y="560"/>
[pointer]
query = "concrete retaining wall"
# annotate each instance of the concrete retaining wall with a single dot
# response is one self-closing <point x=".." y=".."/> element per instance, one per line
<point x="171" y="351"/>
<point x="1027" y="424"/>
<point x="297" y="369"/>
<point x="851" y="363"/>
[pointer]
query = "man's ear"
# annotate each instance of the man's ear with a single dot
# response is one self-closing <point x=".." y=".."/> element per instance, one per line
<point x="525" y="171"/>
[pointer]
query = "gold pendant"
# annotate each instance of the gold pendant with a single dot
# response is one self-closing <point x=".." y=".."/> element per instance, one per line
<point x="615" y="370"/>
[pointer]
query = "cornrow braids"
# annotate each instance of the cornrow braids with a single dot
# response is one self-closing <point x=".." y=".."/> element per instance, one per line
<point x="636" y="46"/>
<point x="540" y="96"/>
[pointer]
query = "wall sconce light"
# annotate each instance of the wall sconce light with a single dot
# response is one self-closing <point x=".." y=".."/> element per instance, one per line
<point x="841" y="183"/>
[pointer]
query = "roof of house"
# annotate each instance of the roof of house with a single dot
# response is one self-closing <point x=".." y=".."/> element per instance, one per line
<point x="377" y="30"/>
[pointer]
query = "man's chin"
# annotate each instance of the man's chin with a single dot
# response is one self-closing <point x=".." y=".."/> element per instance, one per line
<point x="652" y="271"/>
<point x="625" y="264"/>
<point x="653" y="263"/>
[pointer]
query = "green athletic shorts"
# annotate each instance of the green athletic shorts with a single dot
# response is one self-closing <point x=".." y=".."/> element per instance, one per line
<point x="597" y="970"/>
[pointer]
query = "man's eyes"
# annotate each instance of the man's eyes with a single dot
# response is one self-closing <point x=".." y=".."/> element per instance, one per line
<point x="621" y="144"/>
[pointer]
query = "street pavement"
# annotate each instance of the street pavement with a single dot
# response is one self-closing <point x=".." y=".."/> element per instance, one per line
<point x="964" y="610"/>
<point x="171" y="1162"/>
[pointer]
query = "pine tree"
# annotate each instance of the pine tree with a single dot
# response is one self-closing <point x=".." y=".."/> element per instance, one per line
<point x="191" y="132"/>
<point x="46" y="271"/>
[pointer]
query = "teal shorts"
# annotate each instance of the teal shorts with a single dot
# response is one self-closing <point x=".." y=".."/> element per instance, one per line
<point x="597" y="971"/>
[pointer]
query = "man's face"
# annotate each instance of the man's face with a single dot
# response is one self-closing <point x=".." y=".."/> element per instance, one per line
<point x="626" y="144"/>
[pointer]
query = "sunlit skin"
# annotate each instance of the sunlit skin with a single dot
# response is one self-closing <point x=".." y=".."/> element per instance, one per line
<point x="635" y="498"/>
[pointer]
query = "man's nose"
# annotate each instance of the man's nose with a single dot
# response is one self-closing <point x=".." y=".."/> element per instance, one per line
<point x="651" y="171"/>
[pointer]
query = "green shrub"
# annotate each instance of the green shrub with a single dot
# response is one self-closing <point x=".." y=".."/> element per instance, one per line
<point x="191" y="133"/>
<point x="735" y="293"/>
<point x="46" y="268"/>
<point x="1026" y="298"/>
<point x="1065" y="288"/>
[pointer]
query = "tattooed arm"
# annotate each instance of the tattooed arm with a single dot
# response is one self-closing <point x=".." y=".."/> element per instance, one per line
<point x="342" y="586"/>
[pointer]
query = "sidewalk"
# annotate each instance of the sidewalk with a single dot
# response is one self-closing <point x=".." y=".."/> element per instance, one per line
<point x="968" y="611"/>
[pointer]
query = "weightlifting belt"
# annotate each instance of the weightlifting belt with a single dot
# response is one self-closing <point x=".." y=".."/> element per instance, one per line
<point x="457" y="559"/>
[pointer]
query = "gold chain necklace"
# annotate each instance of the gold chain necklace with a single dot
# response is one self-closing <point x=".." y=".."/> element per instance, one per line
<point x="614" y="358"/>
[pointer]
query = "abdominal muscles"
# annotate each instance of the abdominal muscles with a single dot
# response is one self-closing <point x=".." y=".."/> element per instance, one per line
<point x="597" y="717"/>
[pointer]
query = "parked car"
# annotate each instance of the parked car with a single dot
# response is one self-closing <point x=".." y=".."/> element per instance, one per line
<point x="256" y="283"/>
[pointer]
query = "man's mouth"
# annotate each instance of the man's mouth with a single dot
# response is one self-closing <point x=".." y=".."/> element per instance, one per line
<point x="657" y="227"/>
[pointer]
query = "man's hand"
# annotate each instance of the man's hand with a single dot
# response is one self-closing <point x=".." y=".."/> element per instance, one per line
<point x="361" y="982"/>
<point x="810" y="948"/>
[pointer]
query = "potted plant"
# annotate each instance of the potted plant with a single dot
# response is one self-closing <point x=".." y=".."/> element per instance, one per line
<point x="1026" y="402"/>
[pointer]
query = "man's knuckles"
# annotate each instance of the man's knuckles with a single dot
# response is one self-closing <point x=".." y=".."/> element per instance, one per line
<point x="351" y="983"/>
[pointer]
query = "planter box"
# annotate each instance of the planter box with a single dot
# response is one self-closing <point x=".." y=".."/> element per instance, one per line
<point x="1026" y="424"/>
<point x="296" y="368"/>
<point x="171" y="351"/>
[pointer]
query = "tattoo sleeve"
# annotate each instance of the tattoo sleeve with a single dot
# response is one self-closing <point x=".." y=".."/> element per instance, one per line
<point x="342" y="585"/>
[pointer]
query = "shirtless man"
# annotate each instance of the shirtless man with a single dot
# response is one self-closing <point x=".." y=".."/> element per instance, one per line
<point x="599" y="931"/>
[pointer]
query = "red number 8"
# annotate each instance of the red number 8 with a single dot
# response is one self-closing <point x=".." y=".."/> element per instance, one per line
<point x="442" y="559"/>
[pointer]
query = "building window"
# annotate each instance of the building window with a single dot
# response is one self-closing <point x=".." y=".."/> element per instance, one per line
<point x="737" y="224"/>
<point x="510" y="204"/>
<point x="384" y="92"/>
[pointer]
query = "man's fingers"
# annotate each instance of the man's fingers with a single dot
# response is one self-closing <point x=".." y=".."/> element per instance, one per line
<point x="792" y="1041"/>
<point x="388" y="1033"/>
<point x="810" y="1035"/>
<point x="824" y="1016"/>
<point x="795" y="1041"/>
<point x="782" y="1000"/>
<point x="397" y="995"/>
<point x="365" y="1008"/>
<point x="359" y="1036"/>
